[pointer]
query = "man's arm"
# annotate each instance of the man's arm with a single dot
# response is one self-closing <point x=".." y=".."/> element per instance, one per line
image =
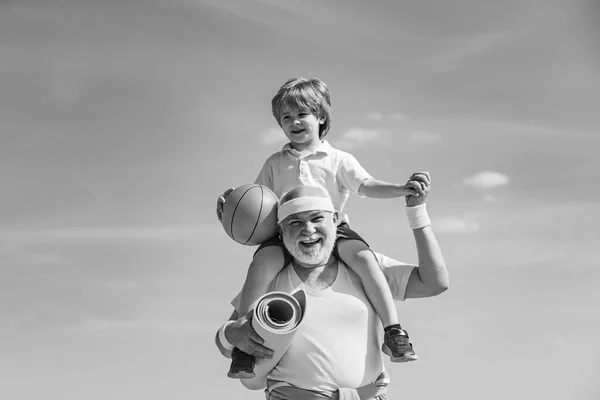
<point x="430" y="278"/>
<point x="225" y="351"/>
<point x="240" y="334"/>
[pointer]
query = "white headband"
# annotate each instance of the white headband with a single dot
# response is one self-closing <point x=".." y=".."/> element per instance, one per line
<point x="302" y="204"/>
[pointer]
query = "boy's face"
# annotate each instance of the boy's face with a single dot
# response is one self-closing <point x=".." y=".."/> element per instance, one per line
<point x="300" y="126"/>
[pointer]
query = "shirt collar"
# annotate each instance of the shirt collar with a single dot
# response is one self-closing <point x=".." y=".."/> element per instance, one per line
<point x="324" y="147"/>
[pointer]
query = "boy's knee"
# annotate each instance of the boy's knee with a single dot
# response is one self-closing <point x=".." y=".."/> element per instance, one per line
<point x="352" y="248"/>
<point x="269" y="260"/>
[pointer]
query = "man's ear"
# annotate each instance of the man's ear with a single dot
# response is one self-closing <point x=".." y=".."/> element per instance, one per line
<point x="335" y="217"/>
<point x="279" y="230"/>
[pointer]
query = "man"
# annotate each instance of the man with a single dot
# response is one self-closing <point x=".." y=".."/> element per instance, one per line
<point x="336" y="351"/>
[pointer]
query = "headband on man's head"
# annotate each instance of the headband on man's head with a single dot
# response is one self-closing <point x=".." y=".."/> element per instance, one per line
<point x="301" y="204"/>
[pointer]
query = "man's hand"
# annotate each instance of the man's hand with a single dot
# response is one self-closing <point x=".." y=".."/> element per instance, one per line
<point x="421" y="183"/>
<point x="221" y="201"/>
<point x="241" y="335"/>
<point x="408" y="190"/>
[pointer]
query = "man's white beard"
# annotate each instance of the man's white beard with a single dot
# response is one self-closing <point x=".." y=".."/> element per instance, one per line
<point x="316" y="255"/>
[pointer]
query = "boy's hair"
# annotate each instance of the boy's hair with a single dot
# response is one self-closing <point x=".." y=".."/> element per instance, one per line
<point x="311" y="94"/>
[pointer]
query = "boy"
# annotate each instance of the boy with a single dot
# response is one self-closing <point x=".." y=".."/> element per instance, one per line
<point x="302" y="108"/>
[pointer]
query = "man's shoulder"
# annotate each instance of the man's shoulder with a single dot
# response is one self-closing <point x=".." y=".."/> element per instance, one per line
<point x="347" y="274"/>
<point x="397" y="275"/>
<point x="283" y="280"/>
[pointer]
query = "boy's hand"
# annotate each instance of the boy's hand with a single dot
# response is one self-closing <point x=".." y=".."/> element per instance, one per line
<point x="421" y="183"/>
<point x="408" y="190"/>
<point x="221" y="201"/>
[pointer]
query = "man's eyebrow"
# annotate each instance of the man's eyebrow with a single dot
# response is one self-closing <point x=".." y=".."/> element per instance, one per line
<point x="312" y="214"/>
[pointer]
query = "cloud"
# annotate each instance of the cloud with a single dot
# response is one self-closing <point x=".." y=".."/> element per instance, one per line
<point x="425" y="136"/>
<point x="12" y="238"/>
<point x="486" y="180"/>
<point x="359" y="137"/>
<point x="272" y="136"/>
<point x="375" y="116"/>
<point x="489" y="198"/>
<point x="397" y="116"/>
<point x="98" y="325"/>
<point x="457" y="51"/>
<point x="51" y="319"/>
<point x="460" y="224"/>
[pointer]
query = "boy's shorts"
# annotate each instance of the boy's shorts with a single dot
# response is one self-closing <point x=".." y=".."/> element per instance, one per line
<point x="343" y="232"/>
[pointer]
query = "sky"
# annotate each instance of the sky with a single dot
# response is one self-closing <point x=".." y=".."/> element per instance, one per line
<point x="121" y="121"/>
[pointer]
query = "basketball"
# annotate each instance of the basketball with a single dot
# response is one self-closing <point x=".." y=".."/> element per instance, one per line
<point x="250" y="214"/>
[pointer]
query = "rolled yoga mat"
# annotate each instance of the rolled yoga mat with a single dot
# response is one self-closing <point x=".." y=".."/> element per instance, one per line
<point x="276" y="317"/>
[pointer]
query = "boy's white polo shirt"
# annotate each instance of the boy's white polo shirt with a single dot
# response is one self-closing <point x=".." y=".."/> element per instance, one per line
<point x="336" y="171"/>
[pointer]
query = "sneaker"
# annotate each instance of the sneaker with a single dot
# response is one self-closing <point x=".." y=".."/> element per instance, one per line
<point x="242" y="365"/>
<point x="396" y="345"/>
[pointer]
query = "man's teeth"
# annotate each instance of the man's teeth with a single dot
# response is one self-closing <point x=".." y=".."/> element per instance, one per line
<point x="309" y="241"/>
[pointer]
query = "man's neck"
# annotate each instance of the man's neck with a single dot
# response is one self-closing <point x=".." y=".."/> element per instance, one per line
<point x="317" y="277"/>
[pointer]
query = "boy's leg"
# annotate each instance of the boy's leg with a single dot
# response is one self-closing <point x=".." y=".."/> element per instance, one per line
<point x="266" y="264"/>
<point x="268" y="261"/>
<point x="359" y="257"/>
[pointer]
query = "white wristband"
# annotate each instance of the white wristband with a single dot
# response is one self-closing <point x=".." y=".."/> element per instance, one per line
<point x="417" y="216"/>
<point x="223" y="339"/>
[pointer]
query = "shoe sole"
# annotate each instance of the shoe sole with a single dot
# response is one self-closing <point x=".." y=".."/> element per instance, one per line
<point x="241" y="375"/>
<point x="405" y="358"/>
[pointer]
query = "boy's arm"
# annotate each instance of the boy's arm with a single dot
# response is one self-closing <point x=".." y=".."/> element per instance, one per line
<point x="384" y="190"/>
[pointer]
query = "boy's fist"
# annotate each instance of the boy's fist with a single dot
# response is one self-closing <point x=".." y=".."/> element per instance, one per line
<point x="408" y="190"/>
<point x="420" y="182"/>
<point x="221" y="201"/>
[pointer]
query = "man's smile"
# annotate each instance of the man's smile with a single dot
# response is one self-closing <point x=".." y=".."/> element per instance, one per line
<point x="307" y="243"/>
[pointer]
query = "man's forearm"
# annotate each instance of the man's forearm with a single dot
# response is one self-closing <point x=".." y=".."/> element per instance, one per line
<point x="221" y="334"/>
<point x="223" y="350"/>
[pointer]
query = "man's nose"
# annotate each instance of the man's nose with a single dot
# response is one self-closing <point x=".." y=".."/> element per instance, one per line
<point x="308" y="228"/>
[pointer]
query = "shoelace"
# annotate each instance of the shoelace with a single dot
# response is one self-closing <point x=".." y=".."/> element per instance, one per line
<point x="400" y="343"/>
<point x="399" y="340"/>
